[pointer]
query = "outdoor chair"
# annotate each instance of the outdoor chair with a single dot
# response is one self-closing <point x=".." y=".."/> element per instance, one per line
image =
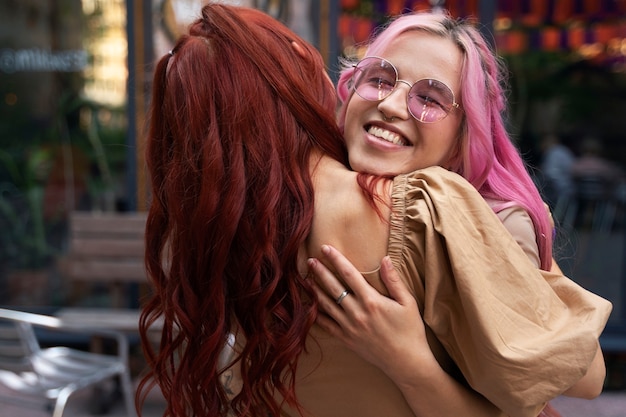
<point x="596" y="198"/>
<point x="54" y="373"/>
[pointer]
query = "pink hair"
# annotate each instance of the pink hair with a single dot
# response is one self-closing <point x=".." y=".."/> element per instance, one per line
<point x="486" y="157"/>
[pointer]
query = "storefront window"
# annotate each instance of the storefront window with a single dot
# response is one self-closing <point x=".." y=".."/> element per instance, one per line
<point x="63" y="125"/>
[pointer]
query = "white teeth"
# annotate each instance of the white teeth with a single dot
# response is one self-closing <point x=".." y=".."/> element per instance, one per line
<point x="386" y="135"/>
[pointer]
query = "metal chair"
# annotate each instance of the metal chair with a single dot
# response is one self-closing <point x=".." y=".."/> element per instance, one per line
<point x="594" y="196"/>
<point x="55" y="373"/>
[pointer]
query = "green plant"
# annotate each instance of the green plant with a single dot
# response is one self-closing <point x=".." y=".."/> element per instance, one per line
<point x="24" y="239"/>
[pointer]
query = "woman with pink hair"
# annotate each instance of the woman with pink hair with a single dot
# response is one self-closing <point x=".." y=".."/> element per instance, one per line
<point x="429" y="92"/>
<point x="470" y="140"/>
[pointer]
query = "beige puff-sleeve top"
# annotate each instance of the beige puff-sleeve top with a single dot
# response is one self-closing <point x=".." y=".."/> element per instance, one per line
<point x="519" y="336"/>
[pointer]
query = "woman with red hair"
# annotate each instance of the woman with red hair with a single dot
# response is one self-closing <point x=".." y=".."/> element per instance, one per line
<point x="249" y="178"/>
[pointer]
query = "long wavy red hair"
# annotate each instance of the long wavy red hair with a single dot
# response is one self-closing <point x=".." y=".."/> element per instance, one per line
<point x="234" y="117"/>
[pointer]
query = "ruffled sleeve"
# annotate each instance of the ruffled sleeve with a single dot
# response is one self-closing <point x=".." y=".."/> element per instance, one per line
<point x="520" y="336"/>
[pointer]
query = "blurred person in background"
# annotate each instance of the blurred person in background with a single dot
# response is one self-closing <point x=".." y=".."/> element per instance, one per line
<point x="556" y="166"/>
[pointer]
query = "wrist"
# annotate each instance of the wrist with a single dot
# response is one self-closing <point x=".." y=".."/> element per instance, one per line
<point x="419" y="367"/>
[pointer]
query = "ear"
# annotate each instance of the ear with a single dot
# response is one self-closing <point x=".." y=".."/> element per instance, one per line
<point x="299" y="49"/>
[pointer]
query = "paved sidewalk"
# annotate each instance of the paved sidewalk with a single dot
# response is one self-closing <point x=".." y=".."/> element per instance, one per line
<point x="79" y="405"/>
<point x="609" y="404"/>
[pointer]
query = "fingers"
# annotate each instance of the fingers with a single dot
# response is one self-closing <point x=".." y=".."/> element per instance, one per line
<point x="396" y="287"/>
<point x="354" y="280"/>
<point x="332" y="317"/>
<point x="350" y="275"/>
<point x="335" y="290"/>
<point x="328" y="290"/>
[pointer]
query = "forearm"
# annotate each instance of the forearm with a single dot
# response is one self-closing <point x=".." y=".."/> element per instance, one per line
<point x="430" y="391"/>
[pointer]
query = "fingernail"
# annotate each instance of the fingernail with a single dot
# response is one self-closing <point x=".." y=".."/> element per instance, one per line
<point x="325" y="249"/>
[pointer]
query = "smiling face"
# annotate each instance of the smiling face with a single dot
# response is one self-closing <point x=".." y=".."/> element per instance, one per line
<point x="382" y="137"/>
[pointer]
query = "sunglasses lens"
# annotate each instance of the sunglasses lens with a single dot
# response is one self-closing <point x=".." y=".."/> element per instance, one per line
<point x="374" y="79"/>
<point x="430" y="100"/>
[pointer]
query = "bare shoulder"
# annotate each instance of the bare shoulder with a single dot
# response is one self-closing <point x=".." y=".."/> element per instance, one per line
<point x="346" y="219"/>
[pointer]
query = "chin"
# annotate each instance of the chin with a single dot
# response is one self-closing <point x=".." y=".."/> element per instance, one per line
<point x="369" y="166"/>
<point x="373" y="170"/>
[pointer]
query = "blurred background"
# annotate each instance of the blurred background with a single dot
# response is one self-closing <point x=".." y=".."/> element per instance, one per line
<point x="74" y="88"/>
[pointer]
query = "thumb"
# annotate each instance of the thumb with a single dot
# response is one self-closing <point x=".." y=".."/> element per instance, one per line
<point x="396" y="287"/>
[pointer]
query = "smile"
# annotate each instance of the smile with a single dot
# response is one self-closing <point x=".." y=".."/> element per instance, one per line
<point x="387" y="136"/>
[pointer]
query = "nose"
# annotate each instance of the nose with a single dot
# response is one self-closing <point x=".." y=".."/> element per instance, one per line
<point x="395" y="104"/>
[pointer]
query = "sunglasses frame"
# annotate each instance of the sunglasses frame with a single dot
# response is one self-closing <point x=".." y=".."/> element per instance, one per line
<point x="453" y="105"/>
